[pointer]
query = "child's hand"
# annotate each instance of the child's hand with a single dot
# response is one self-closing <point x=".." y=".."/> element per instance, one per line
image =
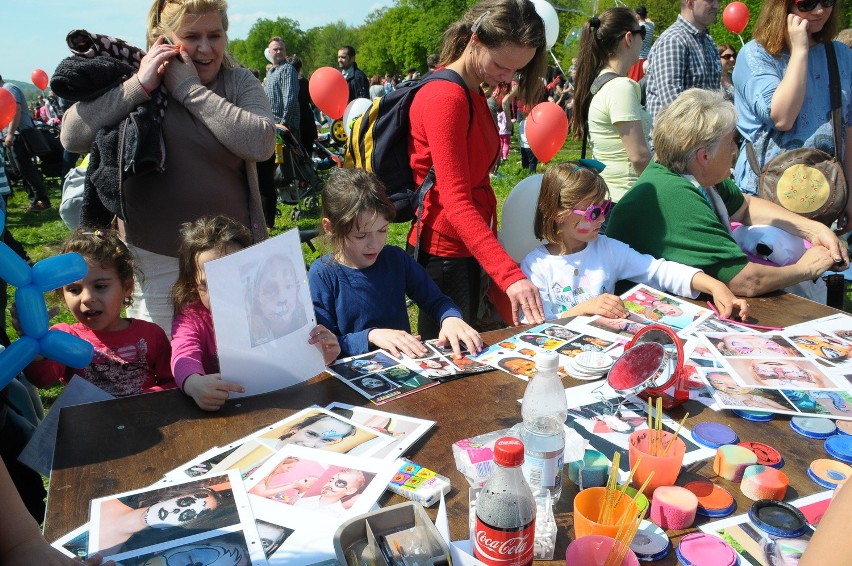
<point x="456" y="331"/>
<point x="327" y="341"/>
<point x="209" y="391"/>
<point x="607" y="305"/>
<point x="397" y="342"/>
<point x="726" y="301"/>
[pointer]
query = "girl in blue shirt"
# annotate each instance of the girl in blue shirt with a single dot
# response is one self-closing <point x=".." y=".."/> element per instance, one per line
<point x="359" y="289"/>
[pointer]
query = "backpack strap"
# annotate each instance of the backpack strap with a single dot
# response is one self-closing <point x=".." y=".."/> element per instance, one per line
<point x="443" y="74"/>
<point x="597" y="85"/>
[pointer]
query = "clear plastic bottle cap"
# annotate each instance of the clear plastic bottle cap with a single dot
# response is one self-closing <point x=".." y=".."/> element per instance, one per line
<point x="547" y="361"/>
<point x="508" y="452"/>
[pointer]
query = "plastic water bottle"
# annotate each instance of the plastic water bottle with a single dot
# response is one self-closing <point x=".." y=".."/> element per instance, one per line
<point x="544" y="410"/>
<point x="505" y="511"/>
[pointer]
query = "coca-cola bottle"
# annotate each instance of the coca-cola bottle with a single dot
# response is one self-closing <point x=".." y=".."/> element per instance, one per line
<point x="505" y="511"/>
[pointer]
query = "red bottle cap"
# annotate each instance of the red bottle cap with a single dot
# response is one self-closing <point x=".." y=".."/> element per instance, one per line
<point x="508" y="452"/>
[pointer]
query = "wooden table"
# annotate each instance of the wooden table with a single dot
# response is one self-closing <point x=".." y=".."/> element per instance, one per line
<point x="126" y="444"/>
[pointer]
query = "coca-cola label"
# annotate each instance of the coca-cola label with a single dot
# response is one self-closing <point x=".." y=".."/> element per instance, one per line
<point x="504" y="547"/>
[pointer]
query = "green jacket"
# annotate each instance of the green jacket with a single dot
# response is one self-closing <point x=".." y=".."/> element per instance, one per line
<point x="665" y="215"/>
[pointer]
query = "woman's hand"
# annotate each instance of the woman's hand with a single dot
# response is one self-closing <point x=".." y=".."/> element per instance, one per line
<point x="823" y="236"/>
<point x="397" y="342"/>
<point x="797" y="30"/>
<point x="327" y="341"/>
<point x="455" y="331"/>
<point x="178" y="69"/>
<point x="525" y="297"/>
<point x="209" y="391"/>
<point x="153" y="64"/>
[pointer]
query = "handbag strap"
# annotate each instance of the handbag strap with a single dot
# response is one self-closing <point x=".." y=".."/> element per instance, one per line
<point x="834" y="97"/>
<point x="597" y="85"/>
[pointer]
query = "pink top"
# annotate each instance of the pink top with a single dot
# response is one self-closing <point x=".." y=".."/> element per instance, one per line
<point x="193" y="343"/>
<point x="126" y="362"/>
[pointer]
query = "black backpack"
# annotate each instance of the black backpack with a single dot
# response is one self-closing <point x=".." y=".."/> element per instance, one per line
<point x="378" y="143"/>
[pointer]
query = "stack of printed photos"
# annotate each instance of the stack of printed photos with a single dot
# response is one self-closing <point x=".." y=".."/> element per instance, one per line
<point x="275" y="496"/>
<point x="381" y="377"/>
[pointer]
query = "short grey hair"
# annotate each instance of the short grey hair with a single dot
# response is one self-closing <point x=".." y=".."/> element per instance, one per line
<point x="696" y="119"/>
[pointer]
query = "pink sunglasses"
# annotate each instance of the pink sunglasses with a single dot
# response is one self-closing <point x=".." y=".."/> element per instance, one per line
<point x="596" y="211"/>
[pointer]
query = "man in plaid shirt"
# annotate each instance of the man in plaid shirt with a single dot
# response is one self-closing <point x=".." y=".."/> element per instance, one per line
<point x="684" y="56"/>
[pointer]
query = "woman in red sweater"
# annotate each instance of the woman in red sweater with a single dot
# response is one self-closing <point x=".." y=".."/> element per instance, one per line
<point x="492" y="43"/>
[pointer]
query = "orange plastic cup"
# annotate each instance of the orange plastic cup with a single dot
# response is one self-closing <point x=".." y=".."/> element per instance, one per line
<point x="666" y="468"/>
<point x="587" y="508"/>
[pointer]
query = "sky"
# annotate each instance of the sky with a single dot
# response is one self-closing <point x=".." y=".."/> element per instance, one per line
<point x="32" y="32"/>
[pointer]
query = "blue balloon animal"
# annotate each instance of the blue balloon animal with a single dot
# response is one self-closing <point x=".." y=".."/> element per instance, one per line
<point x="32" y="283"/>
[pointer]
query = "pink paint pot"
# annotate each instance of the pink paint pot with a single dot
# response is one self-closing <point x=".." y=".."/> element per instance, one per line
<point x="704" y="549"/>
<point x="593" y="550"/>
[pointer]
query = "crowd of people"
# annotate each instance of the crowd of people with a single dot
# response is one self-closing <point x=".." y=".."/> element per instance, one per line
<point x="658" y="203"/>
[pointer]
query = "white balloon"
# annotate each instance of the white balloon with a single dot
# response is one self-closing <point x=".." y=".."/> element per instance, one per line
<point x="268" y="54"/>
<point x="354" y="110"/>
<point x="551" y="21"/>
<point x="516" y="224"/>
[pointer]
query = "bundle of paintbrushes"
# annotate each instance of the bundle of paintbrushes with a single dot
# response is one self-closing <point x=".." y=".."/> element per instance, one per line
<point x="614" y="492"/>
<point x="624" y="538"/>
<point x="656" y="446"/>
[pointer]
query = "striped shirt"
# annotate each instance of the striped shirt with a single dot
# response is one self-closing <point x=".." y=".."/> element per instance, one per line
<point x="683" y="57"/>
<point x="282" y="90"/>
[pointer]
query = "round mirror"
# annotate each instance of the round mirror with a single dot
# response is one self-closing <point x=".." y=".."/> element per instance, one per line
<point x="651" y="362"/>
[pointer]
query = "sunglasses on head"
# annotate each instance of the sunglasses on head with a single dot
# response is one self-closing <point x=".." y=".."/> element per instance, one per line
<point x="729" y="56"/>
<point x="808" y="5"/>
<point x="596" y="211"/>
<point x="642" y="31"/>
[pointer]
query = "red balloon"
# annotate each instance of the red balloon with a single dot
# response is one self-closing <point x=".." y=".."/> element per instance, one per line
<point x="329" y="91"/>
<point x="547" y="128"/>
<point x="39" y="79"/>
<point x="8" y="107"/>
<point x="735" y="17"/>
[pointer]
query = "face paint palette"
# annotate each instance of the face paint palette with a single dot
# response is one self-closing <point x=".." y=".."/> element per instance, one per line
<point x="778" y="518"/>
<point x="704" y="549"/>
<point x="754" y="416"/>
<point x="761" y="482"/>
<point x="844" y="427"/>
<point x="813" y="427"/>
<point x="714" y="435"/>
<point x="840" y="447"/>
<point x="766" y="455"/>
<point x="829" y="473"/>
<point x="651" y="543"/>
<point x="713" y="500"/>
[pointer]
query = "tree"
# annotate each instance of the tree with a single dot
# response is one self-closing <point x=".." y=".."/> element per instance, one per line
<point x="249" y="51"/>
<point x="323" y="42"/>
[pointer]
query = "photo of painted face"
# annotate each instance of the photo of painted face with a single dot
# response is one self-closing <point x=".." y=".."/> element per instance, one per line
<point x="823" y="346"/>
<point x="139" y="520"/>
<point x="780" y="374"/>
<point x="368" y="363"/>
<point x="318" y="430"/>
<point x="627" y="327"/>
<point x="521" y="367"/>
<point x="224" y="550"/>
<point x="832" y="403"/>
<point x="559" y="332"/>
<point x="338" y="491"/>
<point x="406" y="378"/>
<point x="273" y="301"/>
<point x="373" y="385"/>
<point x="544" y="342"/>
<point x="753" y="345"/>
<point x="730" y="394"/>
<point x="436" y="367"/>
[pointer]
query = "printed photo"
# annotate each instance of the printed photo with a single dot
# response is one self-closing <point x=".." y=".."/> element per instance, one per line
<point x="273" y="304"/>
<point x="585" y="344"/>
<point x="730" y="395"/>
<point x="404" y="430"/>
<point x="221" y="550"/>
<point x="357" y="366"/>
<point x="752" y="345"/>
<point x="657" y="306"/>
<point x="132" y="521"/>
<point x="541" y="341"/>
<point x="319" y="484"/>
<point x="834" y="403"/>
<point x="373" y="385"/>
<point x="822" y="346"/>
<point x="779" y="374"/>
<point x="626" y="327"/>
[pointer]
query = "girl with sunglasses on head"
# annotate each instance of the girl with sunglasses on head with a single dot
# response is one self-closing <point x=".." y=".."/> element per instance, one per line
<point x="613" y="118"/>
<point x="781" y="83"/>
<point x="576" y="270"/>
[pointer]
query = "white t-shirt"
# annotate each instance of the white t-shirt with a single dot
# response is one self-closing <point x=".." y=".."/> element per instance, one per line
<point x="567" y="280"/>
<point x="617" y="101"/>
